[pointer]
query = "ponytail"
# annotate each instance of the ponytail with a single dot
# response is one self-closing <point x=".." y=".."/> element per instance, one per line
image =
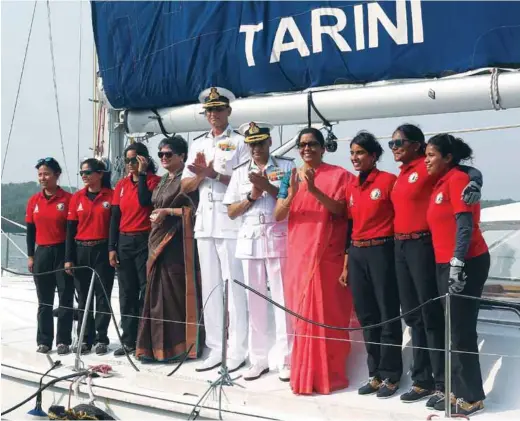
<point x="99" y="166"/>
<point x="447" y="144"/>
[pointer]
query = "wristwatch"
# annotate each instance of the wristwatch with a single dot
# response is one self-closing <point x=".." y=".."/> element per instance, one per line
<point x="249" y="198"/>
<point x="456" y="263"/>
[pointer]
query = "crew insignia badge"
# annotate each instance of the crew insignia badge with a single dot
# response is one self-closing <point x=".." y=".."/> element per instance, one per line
<point x="375" y="194"/>
<point x="438" y="198"/>
<point x="106" y="205"/>
<point x="60" y="206"/>
<point x="413" y="177"/>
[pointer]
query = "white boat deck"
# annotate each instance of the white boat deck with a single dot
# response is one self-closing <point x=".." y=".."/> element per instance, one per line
<point x="150" y="394"/>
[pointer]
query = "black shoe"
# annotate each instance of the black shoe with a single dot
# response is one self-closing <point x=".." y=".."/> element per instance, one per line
<point x="441" y="404"/>
<point x="63" y="349"/>
<point x="43" y="349"/>
<point x="387" y="389"/>
<point x="416" y="394"/>
<point x="119" y="352"/>
<point x="85" y="349"/>
<point x="436" y="397"/>
<point x="465" y="408"/>
<point x="371" y="387"/>
<point x="101" y="349"/>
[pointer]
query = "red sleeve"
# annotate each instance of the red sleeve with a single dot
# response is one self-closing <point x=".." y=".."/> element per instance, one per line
<point x="72" y="215"/>
<point x="456" y="185"/>
<point x="30" y="208"/>
<point x="391" y="184"/>
<point x="153" y="182"/>
<point x="341" y="190"/>
<point x="117" y="193"/>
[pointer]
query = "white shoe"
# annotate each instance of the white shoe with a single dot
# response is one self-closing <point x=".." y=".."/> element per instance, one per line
<point x="255" y="372"/>
<point x="234" y="365"/>
<point x="213" y="361"/>
<point x="284" y="373"/>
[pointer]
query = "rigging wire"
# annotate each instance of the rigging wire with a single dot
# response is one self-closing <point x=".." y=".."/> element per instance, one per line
<point x="19" y="86"/>
<point x="56" y="92"/>
<point x="79" y="89"/>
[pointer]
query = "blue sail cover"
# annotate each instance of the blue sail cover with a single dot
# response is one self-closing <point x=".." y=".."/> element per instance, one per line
<point x="158" y="54"/>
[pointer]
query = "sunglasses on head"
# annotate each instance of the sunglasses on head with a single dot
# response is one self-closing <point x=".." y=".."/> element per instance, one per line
<point x="132" y="161"/>
<point x="313" y="145"/>
<point x="397" y="143"/>
<point x="165" y="154"/>
<point x="45" y="160"/>
<point x="87" y="172"/>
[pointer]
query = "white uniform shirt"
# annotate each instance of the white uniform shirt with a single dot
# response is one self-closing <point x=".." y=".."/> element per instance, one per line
<point x="226" y="151"/>
<point x="260" y="236"/>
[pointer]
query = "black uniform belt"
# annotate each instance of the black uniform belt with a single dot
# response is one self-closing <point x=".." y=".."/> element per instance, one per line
<point x="412" y="235"/>
<point x="91" y="243"/>
<point x="134" y="233"/>
<point x="51" y="245"/>
<point x="372" y="242"/>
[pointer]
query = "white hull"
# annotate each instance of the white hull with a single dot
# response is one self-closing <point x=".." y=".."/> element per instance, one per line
<point x="339" y="103"/>
<point x="150" y="394"/>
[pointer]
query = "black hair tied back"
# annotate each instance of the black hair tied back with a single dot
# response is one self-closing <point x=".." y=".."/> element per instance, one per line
<point x="97" y="165"/>
<point x="448" y="144"/>
<point x="368" y="142"/>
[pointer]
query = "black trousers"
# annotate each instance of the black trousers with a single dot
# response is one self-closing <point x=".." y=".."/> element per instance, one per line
<point x="131" y="274"/>
<point x="96" y="257"/>
<point x="466" y="377"/>
<point x="416" y="278"/>
<point x="371" y="277"/>
<point x="47" y="258"/>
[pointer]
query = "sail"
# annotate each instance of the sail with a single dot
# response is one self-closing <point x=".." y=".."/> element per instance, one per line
<point x="162" y="54"/>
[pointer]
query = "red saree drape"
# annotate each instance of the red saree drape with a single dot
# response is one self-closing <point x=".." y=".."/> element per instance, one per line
<point x="315" y="262"/>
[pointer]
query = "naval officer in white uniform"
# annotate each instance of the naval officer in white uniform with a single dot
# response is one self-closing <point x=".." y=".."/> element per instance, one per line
<point x="210" y="162"/>
<point x="261" y="245"/>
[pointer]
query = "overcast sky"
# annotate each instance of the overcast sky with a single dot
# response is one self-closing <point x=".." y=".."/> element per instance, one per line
<point x="36" y="135"/>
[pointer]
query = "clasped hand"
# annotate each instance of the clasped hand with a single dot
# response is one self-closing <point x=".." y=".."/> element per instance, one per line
<point x="201" y="168"/>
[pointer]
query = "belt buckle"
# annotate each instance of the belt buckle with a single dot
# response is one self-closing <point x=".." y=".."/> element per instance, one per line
<point x="261" y="217"/>
<point x="210" y="196"/>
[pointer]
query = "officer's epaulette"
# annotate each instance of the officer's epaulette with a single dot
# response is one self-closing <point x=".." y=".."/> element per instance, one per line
<point x="288" y="158"/>
<point x="237" y="132"/>
<point x="242" y="164"/>
<point x="203" y="134"/>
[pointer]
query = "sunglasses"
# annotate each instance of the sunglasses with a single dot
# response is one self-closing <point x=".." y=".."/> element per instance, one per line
<point x="44" y="160"/>
<point x="311" y="145"/>
<point x="132" y="161"/>
<point x="215" y="109"/>
<point x="167" y="155"/>
<point x="260" y="144"/>
<point x="397" y="143"/>
<point x="87" y="172"/>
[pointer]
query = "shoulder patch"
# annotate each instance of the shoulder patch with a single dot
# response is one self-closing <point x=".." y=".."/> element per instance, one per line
<point x="242" y="164"/>
<point x="287" y="158"/>
<point x="203" y="134"/>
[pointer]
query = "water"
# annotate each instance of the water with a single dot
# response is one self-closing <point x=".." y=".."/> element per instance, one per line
<point x="12" y="258"/>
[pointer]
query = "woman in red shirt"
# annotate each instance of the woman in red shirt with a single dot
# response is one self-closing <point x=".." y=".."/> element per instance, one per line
<point x="415" y="261"/>
<point x="87" y="245"/>
<point x="46" y="220"/>
<point x="370" y="266"/>
<point x="463" y="261"/>
<point x="128" y="243"/>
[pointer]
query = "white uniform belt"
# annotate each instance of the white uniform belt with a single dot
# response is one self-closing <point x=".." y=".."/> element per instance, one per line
<point x="259" y="219"/>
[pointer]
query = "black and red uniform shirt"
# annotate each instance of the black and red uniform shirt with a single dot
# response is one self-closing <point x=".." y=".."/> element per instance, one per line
<point x="445" y="202"/>
<point x="134" y="217"/>
<point x="49" y="216"/>
<point x="93" y="216"/>
<point x="370" y="206"/>
<point x="411" y="197"/>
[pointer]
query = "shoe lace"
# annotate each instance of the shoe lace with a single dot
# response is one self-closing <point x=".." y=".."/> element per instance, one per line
<point x="461" y="403"/>
<point x="439" y="393"/>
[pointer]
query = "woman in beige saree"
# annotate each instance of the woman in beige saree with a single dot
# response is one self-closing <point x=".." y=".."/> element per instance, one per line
<point x="170" y="321"/>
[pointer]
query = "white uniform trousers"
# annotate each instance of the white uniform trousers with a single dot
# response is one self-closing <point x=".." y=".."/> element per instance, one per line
<point x="255" y="271"/>
<point x="217" y="263"/>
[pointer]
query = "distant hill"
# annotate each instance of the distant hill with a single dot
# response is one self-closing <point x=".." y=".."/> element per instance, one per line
<point x="14" y="202"/>
<point x="16" y="195"/>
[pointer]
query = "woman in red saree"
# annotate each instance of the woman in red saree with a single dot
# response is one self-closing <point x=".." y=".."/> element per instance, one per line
<point x="313" y="198"/>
